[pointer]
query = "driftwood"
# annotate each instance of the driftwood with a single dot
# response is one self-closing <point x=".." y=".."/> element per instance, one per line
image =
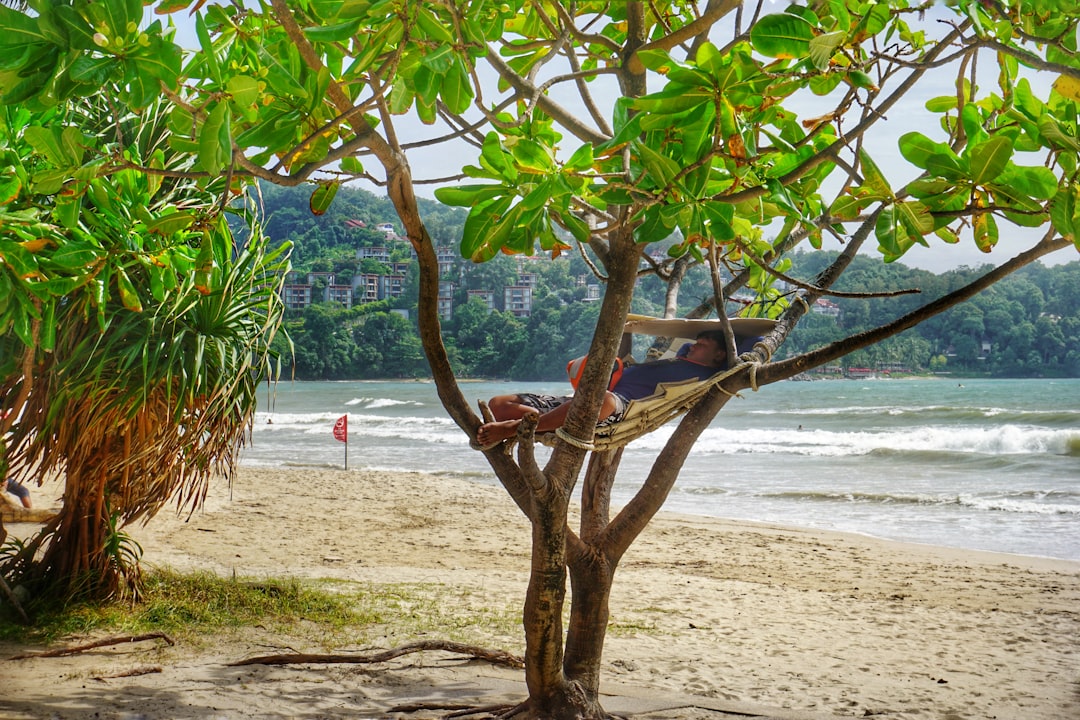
<point x="76" y="649"/>
<point x="496" y="657"/>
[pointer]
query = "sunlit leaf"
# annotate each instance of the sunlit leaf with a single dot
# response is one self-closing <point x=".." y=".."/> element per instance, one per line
<point x="988" y="159"/>
<point x="822" y="48"/>
<point x="782" y="35"/>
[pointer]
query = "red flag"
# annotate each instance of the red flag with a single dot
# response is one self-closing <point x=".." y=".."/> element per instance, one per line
<point x="341" y="429"/>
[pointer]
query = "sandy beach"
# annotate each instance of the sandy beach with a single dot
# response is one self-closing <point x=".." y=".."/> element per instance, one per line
<point x="748" y="618"/>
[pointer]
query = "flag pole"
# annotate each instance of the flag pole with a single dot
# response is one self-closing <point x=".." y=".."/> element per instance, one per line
<point x="341" y="434"/>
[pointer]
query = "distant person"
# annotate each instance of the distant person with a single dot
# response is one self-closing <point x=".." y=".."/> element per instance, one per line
<point x="18" y="490"/>
<point x="699" y="361"/>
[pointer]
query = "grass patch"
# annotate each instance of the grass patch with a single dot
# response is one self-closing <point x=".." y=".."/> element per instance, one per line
<point x="198" y="608"/>
<point x="189" y="604"/>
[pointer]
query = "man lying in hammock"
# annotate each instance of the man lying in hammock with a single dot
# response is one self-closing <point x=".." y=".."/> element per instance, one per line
<point x="703" y="359"/>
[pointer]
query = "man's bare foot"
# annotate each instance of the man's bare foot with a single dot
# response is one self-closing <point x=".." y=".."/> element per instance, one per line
<point x="495" y="432"/>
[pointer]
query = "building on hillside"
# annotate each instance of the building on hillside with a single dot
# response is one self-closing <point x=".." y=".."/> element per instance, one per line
<point x="340" y="294"/>
<point x="446" y="299"/>
<point x="485" y="296"/>
<point x="447" y="258"/>
<point x="517" y="299"/>
<point x="826" y="307"/>
<point x="391" y="286"/>
<point x="380" y="253"/>
<point x="365" y="288"/>
<point x="296" y="297"/>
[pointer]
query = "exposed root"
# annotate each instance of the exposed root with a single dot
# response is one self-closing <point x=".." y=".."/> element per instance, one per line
<point x="76" y="649"/>
<point x="459" y="710"/>
<point x="496" y="657"/>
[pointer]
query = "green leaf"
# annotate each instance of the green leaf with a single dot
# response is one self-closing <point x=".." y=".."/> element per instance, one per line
<point x="208" y="54"/>
<point x="988" y="159"/>
<point x="1035" y="182"/>
<point x="661" y="169"/>
<point x="782" y="36"/>
<point x="947" y="166"/>
<point x="1056" y="134"/>
<point x="479" y="242"/>
<point x="577" y="227"/>
<point x="941" y="104"/>
<point x="93" y="70"/>
<point x="341" y="32"/>
<point x="917" y="149"/>
<point x="720" y="217"/>
<point x="915" y="217"/>
<point x="581" y="160"/>
<point x="352" y="165"/>
<point x="10" y="186"/>
<point x="873" y="180"/>
<point x="213" y="154"/>
<point x="168" y="224"/>
<point x="1065" y="213"/>
<point x="468" y="195"/>
<point x="456" y="89"/>
<point x="986" y="231"/>
<point x="128" y="295"/>
<point x="494" y="159"/>
<point x="323" y="196"/>
<point x="432" y="28"/>
<point x="530" y="154"/>
<point x="823" y="47"/>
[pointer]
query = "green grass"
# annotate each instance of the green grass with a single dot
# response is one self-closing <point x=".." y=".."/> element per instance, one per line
<point x="196" y="607"/>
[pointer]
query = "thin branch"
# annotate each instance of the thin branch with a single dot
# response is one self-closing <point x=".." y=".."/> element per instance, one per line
<point x="496" y="657"/>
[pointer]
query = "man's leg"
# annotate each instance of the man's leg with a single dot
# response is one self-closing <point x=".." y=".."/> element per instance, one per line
<point x="509" y="409"/>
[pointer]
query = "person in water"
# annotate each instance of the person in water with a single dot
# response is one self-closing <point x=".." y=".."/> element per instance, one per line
<point x="699" y="361"/>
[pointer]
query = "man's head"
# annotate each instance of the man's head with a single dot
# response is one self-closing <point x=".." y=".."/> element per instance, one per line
<point x="708" y="349"/>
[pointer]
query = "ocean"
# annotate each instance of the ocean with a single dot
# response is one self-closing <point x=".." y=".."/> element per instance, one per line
<point x="967" y="463"/>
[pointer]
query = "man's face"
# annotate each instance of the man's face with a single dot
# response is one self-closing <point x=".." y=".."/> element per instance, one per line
<point x="706" y="352"/>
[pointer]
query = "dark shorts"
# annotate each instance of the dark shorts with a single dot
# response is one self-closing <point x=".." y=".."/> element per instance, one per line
<point x="545" y="403"/>
<point x="17" y="490"/>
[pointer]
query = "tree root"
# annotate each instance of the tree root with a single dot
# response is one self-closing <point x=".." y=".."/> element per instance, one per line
<point x="74" y="650"/>
<point x="459" y="710"/>
<point x="496" y="657"/>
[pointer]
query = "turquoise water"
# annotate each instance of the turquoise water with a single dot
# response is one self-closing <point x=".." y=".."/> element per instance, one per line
<point x="978" y="464"/>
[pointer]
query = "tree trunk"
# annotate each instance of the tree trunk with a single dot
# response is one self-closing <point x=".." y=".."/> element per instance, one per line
<point x="74" y="559"/>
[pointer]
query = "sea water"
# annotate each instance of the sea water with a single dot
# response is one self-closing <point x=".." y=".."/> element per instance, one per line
<point x="977" y="464"/>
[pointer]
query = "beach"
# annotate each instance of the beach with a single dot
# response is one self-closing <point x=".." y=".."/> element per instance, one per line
<point x="751" y="617"/>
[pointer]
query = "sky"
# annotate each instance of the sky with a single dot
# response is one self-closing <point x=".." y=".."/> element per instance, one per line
<point x="907" y="116"/>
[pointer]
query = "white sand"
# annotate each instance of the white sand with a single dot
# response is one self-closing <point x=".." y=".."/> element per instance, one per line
<point x="749" y="616"/>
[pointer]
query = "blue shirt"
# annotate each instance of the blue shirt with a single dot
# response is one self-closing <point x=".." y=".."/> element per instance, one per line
<point x="640" y="381"/>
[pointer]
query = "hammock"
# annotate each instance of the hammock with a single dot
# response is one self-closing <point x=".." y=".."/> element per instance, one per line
<point x="670" y="399"/>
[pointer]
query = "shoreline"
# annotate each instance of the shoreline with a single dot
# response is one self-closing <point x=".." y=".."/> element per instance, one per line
<point x="739" y="612"/>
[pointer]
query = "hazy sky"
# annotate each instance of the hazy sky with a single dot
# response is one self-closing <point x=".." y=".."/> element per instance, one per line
<point x="908" y="115"/>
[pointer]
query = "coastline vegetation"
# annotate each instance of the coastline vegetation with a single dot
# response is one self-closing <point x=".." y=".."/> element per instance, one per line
<point x="1028" y="325"/>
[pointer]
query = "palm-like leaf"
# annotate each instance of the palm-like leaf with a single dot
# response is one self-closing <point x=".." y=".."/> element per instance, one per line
<point x="158" y="355"/>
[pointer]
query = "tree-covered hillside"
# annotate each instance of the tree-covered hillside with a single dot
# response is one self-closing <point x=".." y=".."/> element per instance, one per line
<point x="1027" y="326"/>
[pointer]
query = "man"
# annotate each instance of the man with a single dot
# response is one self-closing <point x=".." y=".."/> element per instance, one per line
<point x="703" y="359"/>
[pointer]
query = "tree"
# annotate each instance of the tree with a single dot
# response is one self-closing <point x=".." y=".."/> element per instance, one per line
<point x="706" y="149"/>
<point x="134" y="331"/>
